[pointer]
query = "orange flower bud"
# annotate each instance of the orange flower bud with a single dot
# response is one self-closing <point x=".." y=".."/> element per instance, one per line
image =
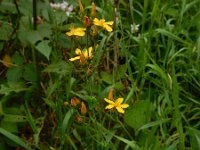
<point x="93" y="11"/>
<point x="83" y="108"/>
<point x="81" y="6"/>
<point x="87" y="21"/>
<point x="74" y="101"/>
<point x="110" y="94"/>
<point x="95" y="31"/>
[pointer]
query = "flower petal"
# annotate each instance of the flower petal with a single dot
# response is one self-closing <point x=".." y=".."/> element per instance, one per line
<point x="96" y="22"/>
<point x="79" y="32"/>
<point x="88" y="53"/>
<point x="109" y="101"/>
<point x="109" y="22"/>
<point x="109" y="106"/>
<point x="78" y="51"/>
<point x="119" y="101"/>
<point x="120" y="110"/>
<point x="108" y="28"/>
<point x="75" y="58"/>
<point x="124" y="105"/>
<point x="69" y="33"/>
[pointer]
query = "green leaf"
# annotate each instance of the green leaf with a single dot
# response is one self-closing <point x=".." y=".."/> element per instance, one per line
<point x="5" y="31"/>
<point x="17" y="59"/>
<point x="14" y="74"/>
<point x="60" y="67"/>
<point x="12" y="87"/>
<point x="9" y="126"/>
<point x="33" y="36"/>
<point x="44" y="30"/>
<point x="154" y="123"/>
<point x="172" y="36"/>
<point x="14" y="118"/>
<point x="138" y="115"/>
<point x="44" y="48"/>
<point x="50" y="103"/>
<point x="118" y="85"/>
<point x="14" y="138"/>
<point x="194" y="138"/>
<point x="66" y="121"/>
<point x="131" y="144"/>
<point x="30" y="118"/>
<point x="29" y="73"/>
<point x="106" y="77"/>
<point x="92" y="102"/>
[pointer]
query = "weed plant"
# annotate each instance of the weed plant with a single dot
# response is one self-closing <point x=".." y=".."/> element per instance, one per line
<point x="107" y="74"/>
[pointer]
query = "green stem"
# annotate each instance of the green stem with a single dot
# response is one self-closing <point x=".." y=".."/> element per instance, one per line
<point x="34" y="56"/>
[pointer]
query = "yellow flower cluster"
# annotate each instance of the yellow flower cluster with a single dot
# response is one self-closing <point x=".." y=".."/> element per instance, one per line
<point x="83" y="55"/>
<point x="80" y="32"/>
<point x="115" y="104"/>
<point x="87" y="54"/>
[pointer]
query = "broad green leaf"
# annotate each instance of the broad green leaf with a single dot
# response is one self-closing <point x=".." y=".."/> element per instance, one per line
<point x="60" y="67"/>
<point x="33" y="36"/>
<point x="25" y="7"/>
<point x="17" y="59"/>
<point x="138" y="115"/>
<point x="44" y="30"/>
<point x="9" y="126"/>
<point x="8" y="6"/>
<point x="14" y="74"/>
<point x="44" y="48"/>
<point x="25" y="26"/>
<point x="14" y="138"/>
<point x="5" y="30"/>
<point x="12" y="87"/>
<point x="29" y="73"/>
<point x="14" y="118"/>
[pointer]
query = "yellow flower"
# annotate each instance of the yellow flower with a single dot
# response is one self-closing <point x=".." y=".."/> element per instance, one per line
<point x="82" y="55"/>
<point x="103" y="24"/>
<point x="117" y="104"/>
<point x="76" y="31"/>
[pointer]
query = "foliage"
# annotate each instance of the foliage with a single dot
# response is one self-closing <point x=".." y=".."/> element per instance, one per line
<point x="59" y="67"/>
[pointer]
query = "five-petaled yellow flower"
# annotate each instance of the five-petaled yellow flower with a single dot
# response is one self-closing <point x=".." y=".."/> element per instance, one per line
<point x="103" y="24"/>
<point x="83" y="55"/>
<point x="76" y="31"/>
<point x="117" y="104"/>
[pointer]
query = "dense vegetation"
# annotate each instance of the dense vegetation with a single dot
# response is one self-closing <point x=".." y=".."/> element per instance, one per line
<point x="103" y="74"/>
